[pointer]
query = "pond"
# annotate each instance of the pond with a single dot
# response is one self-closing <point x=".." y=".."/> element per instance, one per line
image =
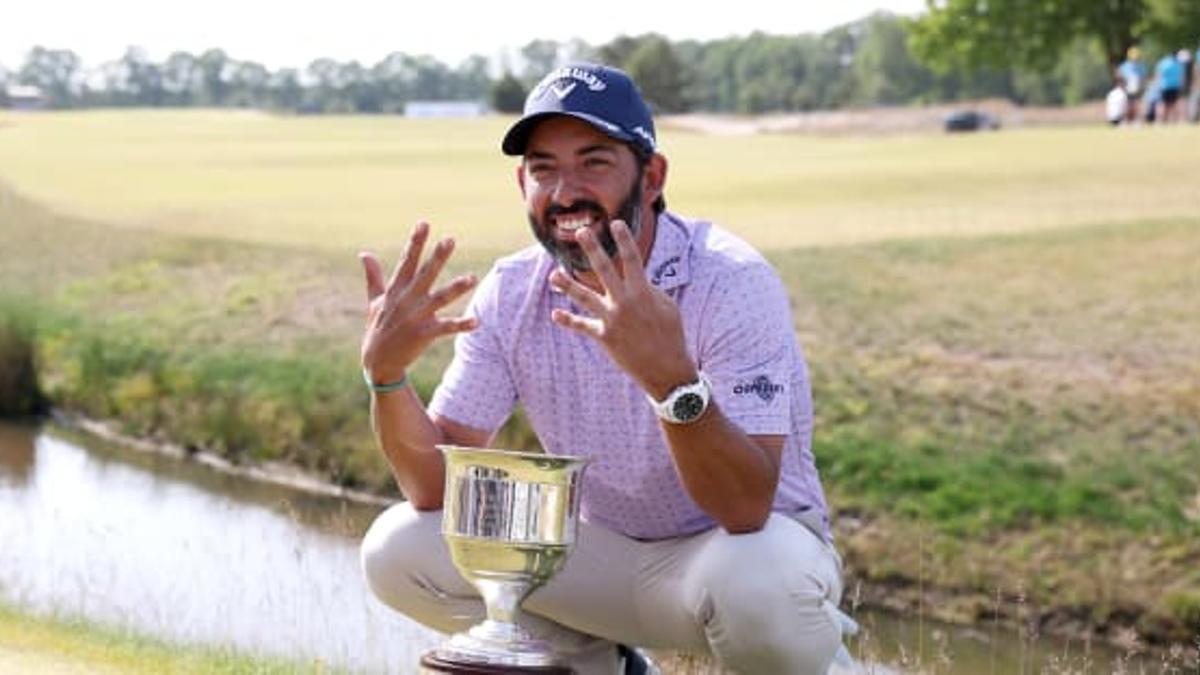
<point x="179" y="550"/>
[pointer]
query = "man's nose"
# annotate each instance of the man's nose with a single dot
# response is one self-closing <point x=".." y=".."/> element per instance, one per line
<point x="567" y="190"/>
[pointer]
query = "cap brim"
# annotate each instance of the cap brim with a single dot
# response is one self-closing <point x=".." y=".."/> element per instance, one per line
<point x="518" y="134"/>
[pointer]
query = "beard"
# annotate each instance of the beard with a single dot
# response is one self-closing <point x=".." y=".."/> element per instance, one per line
<point x="570" y="254"/>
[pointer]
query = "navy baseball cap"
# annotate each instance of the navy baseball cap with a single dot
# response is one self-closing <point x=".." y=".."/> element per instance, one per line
<point x="602" y="96"/>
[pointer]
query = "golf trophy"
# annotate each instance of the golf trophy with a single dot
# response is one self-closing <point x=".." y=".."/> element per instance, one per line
<point x="509" y="520"/>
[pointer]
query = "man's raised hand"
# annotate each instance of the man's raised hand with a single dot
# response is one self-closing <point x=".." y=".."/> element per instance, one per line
<point x="638" y="324"/>
<point x="402" y="317"/>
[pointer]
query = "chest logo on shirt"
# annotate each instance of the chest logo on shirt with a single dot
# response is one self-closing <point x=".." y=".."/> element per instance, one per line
<point x="665" y="270"/>
<point x="762" y="386"/>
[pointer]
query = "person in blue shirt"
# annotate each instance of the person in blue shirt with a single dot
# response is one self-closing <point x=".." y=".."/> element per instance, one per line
<point x="1133" y="73"/>
<point x="1152" y="102"/>
<point x="1169" y="73"/>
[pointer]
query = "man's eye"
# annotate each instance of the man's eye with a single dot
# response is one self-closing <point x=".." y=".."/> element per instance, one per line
<point x="596" y="163"/>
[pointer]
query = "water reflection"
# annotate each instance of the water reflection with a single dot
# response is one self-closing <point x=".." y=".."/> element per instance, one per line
<point x="186" y="553"/>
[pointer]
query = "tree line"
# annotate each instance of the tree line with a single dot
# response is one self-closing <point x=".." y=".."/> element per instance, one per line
<point x="958" y="49"/>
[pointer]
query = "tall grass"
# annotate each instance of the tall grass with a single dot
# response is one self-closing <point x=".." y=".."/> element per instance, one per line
<point x="20" y="394"/>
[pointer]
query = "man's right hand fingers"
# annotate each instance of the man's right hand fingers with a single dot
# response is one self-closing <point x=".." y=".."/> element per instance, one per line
<point x="451" y="292"/>
<point x="412" y="255"/>
<point x="432" y="267"/>
<point x="374" y="273"/>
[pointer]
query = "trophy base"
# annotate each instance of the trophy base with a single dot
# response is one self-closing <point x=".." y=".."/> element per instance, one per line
<point x="435" y="664"/>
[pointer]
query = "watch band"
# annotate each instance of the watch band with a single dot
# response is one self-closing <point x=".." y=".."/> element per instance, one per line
<point x="686" y="403"/>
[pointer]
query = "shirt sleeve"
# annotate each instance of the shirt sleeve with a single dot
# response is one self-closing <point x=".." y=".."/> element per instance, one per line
<point x="749" y="350"/>
<point x="477" y="388"/>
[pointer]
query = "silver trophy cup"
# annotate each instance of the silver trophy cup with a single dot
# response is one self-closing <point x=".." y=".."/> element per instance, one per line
<point x="509" y="520"/>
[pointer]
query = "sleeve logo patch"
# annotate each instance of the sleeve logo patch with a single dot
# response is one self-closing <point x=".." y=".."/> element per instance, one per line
<point x="762" y="386"/>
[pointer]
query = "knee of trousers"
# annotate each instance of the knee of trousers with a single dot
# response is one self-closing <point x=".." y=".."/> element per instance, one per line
<point x="766" y="601"/>
<point x="402" y="547"/>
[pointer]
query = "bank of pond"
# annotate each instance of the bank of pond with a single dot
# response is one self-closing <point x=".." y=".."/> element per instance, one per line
<point x="174" y="550"/>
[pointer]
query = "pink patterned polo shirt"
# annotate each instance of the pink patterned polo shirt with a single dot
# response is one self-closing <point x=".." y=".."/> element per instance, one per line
<point x="738" y="327"/>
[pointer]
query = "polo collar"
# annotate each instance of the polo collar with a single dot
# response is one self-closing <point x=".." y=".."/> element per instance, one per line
<point x="669" y="265"/>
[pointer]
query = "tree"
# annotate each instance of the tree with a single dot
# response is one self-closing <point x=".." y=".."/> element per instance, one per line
<point x="885" y="71"/>
<point x="182" y="79"/>
<point x="470" y="80"/>
<point x="57" y="72"/>
<point x="214" y="68"/>
<point x="1174" y="24"/>
<point x="660" y="75"/>
<point x="540" y="57"/>
<point x="284" y="91"/>
<point x="135" y="80"/>
<point x="1033" y="34"/>
<point x="249" y="83"/>
<point x="508" y="94"/>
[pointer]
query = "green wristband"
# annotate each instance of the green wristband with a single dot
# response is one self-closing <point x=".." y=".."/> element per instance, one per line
<point x="387" y="387"/>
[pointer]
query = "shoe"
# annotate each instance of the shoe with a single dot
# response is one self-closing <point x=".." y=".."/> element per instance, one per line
<point x="635" y="662"/>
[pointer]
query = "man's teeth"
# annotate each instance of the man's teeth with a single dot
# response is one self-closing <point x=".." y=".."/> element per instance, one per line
<point x="572" y="224"/>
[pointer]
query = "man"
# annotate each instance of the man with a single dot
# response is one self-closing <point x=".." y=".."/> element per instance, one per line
<point x="1133" y="74"/>
<point x="660" y="347"/>
<point x="1169" y="76"/>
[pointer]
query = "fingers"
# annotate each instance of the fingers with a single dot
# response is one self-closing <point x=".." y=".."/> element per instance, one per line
<point x="433" y="266"/>
<point x="598" y="259"/>
<point x="450" y="292"/>
<point x="374" y="273"/>
<point x="583" y="296"/>
<point x="627" y="251"/>
<point x="412" y="255"/>
<point x="591" y="327"/>
<point x="460" y="324"/>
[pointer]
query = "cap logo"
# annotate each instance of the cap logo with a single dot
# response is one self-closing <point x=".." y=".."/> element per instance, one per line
<point x="562" y="92"/>
<point x="591" y="80"/>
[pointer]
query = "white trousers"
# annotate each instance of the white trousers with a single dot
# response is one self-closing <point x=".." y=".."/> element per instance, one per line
<point x="762" y="603"/>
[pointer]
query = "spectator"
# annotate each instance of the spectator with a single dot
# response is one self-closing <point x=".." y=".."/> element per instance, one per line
<point x="1152" y="102"/>
<point x="1133" y="73"/>
<point x="1169" y="78"/>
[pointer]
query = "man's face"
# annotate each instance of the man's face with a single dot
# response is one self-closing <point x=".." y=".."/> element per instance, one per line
<point x="573" y="177"/>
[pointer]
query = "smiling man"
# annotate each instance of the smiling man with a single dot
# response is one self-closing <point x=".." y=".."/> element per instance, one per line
<point x="658" y="346"/>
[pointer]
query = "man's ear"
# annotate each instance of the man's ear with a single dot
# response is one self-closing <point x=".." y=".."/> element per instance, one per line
<point x="521" y="178"/>
<point x="654" y="180"/>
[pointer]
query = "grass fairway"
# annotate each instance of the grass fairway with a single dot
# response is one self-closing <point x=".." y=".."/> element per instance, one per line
<point x="1001" y="327"/>
<point x="361" y="181"/>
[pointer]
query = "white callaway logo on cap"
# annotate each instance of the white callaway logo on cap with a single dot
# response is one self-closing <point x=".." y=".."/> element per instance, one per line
<point x="561" y="92"/>
<point x="587" y="77"/>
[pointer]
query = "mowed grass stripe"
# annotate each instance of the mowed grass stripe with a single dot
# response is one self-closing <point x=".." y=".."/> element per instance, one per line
<point x="348" y="182"/>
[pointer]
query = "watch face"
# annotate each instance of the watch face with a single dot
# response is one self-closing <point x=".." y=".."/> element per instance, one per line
<point x="688" y="407"/>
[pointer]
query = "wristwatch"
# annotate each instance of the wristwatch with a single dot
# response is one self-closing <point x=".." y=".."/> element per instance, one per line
<point x="686" y="403"/>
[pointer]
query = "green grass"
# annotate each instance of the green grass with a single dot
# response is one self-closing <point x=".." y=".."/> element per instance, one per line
<point x="37" y="645"/>
<point x="349" y="182"/>
<point x="1001" y="328"/>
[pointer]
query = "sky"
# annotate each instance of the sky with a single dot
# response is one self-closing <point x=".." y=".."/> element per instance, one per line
<point x="280" y="33"/>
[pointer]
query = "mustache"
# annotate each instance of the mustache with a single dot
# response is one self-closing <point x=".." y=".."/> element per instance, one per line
<point x="574" y="207"/>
